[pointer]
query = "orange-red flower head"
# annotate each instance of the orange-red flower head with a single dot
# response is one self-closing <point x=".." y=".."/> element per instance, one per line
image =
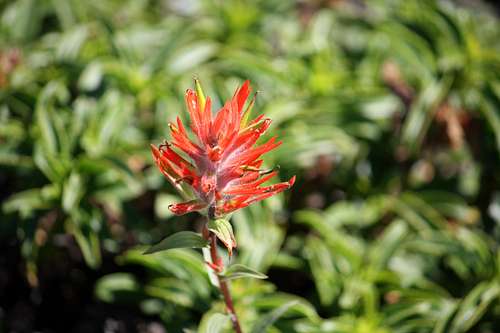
<point x="222" y="166"/>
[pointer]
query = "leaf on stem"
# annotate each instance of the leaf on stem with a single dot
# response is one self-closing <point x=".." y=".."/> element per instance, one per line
<point x="183" y="239"/>
<point x="215" y="323"/>
<point x="237" y="271"/>
<point x="224" y="231"/>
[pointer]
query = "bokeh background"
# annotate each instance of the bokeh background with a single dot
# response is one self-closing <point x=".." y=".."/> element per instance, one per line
<point x="389" y="114"/>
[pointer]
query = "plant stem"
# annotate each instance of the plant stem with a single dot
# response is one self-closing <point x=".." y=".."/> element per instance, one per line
<point x="223" y="284"/>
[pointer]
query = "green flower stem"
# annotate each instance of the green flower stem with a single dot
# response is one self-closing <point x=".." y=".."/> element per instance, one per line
<point x="223" y="286"/>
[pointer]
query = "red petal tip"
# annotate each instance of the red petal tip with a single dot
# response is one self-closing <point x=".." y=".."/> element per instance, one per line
<point x="185" y="207"/>
<point x="154" y="150"/>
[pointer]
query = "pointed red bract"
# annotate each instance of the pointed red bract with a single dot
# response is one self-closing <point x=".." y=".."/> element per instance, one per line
<point x="222" y="165"/>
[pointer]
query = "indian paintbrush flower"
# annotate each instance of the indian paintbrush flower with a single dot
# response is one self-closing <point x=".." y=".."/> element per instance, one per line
<point x="220" y="170"/>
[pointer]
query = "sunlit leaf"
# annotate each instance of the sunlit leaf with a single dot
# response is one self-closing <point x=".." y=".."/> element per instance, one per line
<point x="224" y="231"/>
<point x="238" y="271"/>
<point x="182" y="239"/>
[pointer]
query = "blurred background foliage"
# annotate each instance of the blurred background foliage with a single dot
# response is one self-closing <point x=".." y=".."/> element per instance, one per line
<point x="389" y="114"/>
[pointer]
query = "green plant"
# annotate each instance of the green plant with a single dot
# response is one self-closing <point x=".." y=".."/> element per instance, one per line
<point x="388" y="112"/>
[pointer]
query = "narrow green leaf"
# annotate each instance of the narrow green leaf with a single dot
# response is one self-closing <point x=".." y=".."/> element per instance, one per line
<point x="183" y="239"/>
<point x="237" y="271"/>
<point x="224" y="231"/>
<point x="87" y="239"/>
<point x="117" y="287"/>
<point x="23" y="20"/>
<point x="187" y="58"/>
<point x="72" y="192"/>
<point x="71" y="42"/>
<point x="474" y="306"/>
<point x="47" y="132"/>
<point x="448" y="310"/>
<point x="26" y="202"/>
<point x="65" y="14"/>
<point x="325" y="275"/>
<point x="271" y="317"/>
<point x="387" y="245"/>
<point x="422" y="112"/>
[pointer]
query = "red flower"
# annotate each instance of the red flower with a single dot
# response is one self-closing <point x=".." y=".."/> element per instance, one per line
<point x="221" y="168"/>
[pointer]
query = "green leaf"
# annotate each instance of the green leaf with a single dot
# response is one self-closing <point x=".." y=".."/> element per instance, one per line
<point x="185" y="265"/>
<point x="422" y="112"/>
<point x="183" y="239"/>
<point x="117" y="287"/>
<point x="71" y="42"/>
<point x="65" y="14"/>
<point x="276" y="299"/>
<point x="271" y="317"/>
<point x="224" y="231"/>
<point x="446" y="314"/>
<point x="237" y="271"/>
<point x="172" y="290"/>
<point x="321" y="262"/>
<point x="22" y="19"/>
<point x="475" y="305"/>
<point x="26" y="202"/>
<point x="72" y="192"/>
<point x="187" y="58"/>
<point x="215" y="323"/>
<point x="91" y="77"/>
<point x="87" y="239"/>
<point x="47" y="134"/>
<point x="387" y="245"/>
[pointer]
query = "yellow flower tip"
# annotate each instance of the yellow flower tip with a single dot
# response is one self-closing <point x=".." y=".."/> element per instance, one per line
<point x="248" y="110"/>
<point x="173" y="128"/>
<point x="200" y="94"/>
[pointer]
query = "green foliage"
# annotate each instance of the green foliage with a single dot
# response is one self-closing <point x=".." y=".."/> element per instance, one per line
<point x="182" y="239"/>
<point x="214" y="323"/>
<point x="224" y="231"/>
<point x="389" y="116"/>
<point x="270" y="318"/>
<point x="237" y="271"/>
